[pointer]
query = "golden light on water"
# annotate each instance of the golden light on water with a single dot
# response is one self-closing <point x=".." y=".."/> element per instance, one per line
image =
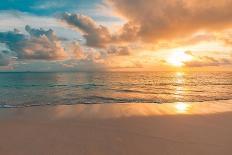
<point x="182" y="107"/>
<point x="178" y="58"/>
<point x="179" y="74"/>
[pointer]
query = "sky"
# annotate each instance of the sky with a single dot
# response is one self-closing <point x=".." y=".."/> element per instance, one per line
<point x="115" y="35"/>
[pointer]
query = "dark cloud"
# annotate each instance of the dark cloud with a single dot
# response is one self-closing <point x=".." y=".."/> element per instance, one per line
<point x="119" y="50"/>
<point x="95" y="35"/>
<point x="5" y="51"/>
<point x="38" y="45"/>
<point x="11" y="37"/>
<point x="4" y="60"/>
<point x="98" y="35"/>
<point x="41" y="32"/>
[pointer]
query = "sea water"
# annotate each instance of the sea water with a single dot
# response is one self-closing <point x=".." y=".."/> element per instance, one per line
<point x="56" y="88"/>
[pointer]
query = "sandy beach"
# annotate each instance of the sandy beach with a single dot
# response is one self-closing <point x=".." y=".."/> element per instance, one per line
<point x="118" y="129"/>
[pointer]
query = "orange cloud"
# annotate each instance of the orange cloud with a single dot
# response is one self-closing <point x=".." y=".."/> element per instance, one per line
<point x="167" y="19"/>
<point x="207" y="61"/>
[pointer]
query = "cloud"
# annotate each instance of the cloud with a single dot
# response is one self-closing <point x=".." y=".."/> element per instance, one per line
<point x="127" y="33"/>
<point x="40" y="44"/>
<point x="78" y="52"/>
<point x="95" y="35"/>
<point x="156" y="21"/>
<point x="226" y="38"/>
<point x="167" y="19"/>
<point x="98" y="35"/>
<point x="207" y="61"/>
<point x="4" y="60"/>
<point x="119" y="50"/>
<point x="83" y="65"/>
<point x="228" y="41"/>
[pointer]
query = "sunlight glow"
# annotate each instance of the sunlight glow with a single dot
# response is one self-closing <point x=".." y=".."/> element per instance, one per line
<point x="181" y="107"/>
<point x="179" y="74"/>
<point x="178" y="58"/>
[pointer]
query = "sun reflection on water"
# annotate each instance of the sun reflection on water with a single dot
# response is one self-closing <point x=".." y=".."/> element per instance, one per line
<point x="179" y="81"/>
<point x="179" y="74"/>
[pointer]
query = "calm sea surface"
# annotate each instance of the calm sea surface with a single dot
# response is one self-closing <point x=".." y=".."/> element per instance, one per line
<point x="30" y="89"/>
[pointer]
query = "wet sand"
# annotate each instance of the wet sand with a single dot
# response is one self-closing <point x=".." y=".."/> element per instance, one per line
<point x="118" y="129"/>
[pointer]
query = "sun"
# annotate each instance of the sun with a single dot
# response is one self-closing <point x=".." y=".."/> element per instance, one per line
<point x="182" y="107"/>
<point x="178" y="58"/>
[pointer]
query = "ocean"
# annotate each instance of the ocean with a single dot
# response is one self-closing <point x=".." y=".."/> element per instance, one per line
<point x="37" y="89"/>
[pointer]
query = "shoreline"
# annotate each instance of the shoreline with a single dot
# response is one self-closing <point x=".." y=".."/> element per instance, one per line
<point x="112" y="129"/>
<point x="8" y="106"/>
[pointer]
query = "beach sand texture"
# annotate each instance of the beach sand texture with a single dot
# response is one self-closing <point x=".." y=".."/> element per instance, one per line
<point x="118" y="129"/>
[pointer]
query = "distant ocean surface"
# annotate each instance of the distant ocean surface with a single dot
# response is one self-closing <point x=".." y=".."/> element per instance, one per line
<point x="35" y="89"/>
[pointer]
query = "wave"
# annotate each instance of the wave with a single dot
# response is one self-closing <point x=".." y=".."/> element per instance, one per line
<point x="9" y="106"/>
<point x="93" y="85"/>
<point x="153" y="92"/>
<point x="85" y="85"/>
